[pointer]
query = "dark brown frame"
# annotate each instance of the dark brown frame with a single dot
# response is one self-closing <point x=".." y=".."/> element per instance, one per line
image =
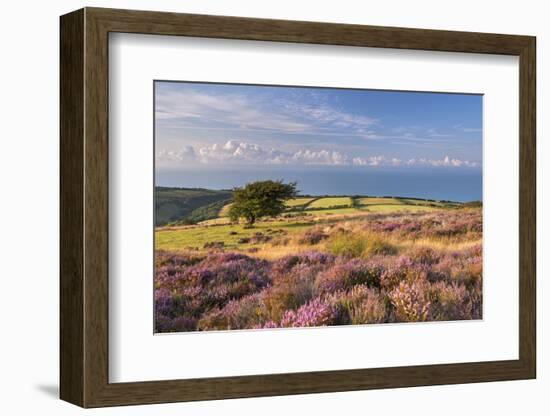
<point x="84" y="208"/>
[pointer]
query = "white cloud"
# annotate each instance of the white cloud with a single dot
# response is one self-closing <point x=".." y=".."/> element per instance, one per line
<point x="238" y="152"/>
<point x="370" y="161"/>
<point x="322" y="157"/>
<point x="446" y="162"/>
<point x="185" y="154"/>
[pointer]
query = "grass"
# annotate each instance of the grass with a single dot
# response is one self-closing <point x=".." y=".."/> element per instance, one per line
<point x="389" y="205"/>
<point x="291" y="203"/>
<point x="359" y="245"/>
<point x="298" y="202"/>
<point x="195" y="237"/>
<point x="388" y="208"/>
<point x="379" y="201"/>
<point x="225" y="210"/>
<point x="317" y="212"/>
<point x="178" y="204"/>
<point x="330" y="202"/>
<point x="329" y="211"/>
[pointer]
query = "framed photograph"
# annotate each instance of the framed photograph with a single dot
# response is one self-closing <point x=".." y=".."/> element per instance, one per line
<point x="255" y="207"/>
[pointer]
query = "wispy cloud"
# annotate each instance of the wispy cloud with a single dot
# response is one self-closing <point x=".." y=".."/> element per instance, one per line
<point x="194" y="109"/>
<point x="187" y="108"/>
<point x="461" y="128"/>
<point x="436" y="133"/>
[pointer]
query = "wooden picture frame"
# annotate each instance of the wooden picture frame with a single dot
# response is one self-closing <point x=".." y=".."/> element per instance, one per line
<point x="84" y="207"/>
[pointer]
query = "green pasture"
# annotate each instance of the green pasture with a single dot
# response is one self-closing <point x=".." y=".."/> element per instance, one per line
<point x="389" y="208"/>
<point x="230" y="234"/>
<point x="316" y="211"/>
<point x="329" y="202"/>
<point x="298" y="202"/>
<point x="379" y="201"/>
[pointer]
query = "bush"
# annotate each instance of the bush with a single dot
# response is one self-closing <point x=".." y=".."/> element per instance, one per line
<point x="454" y="302"/>
<point x="314" y="313"/>
<point x="346" y="274"/>
<point x="347" y="245"/>
<point x="424" y="255"/>
<point x="359" y="245"/>
<point x="312" y="237"/>
<point x="244" y="313"/>
<point x="411" y="301"/>
<point x="362" y="305"/>
<point x="286" y="294"/>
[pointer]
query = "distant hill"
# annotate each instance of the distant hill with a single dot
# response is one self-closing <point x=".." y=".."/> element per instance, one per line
<point x="188" y="205"/>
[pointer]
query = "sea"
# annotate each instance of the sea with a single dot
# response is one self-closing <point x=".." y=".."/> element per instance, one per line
<point x="452" y="184"/>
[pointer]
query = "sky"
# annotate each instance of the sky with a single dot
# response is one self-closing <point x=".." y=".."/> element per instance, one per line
<point x="229" y="126"/>
<point x="245" y="125"/>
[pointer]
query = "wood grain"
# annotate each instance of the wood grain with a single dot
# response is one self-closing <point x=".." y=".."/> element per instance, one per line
<point x="71" y="100"/>
<point x="84" y="207"/>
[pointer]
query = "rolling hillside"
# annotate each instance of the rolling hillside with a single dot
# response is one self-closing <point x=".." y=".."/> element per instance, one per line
<point x="188" y="205"/>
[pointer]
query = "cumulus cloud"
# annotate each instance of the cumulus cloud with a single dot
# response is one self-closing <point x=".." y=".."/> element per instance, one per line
<point x="322" y="157"/>
<point x="187" y="154"/>
<point x="446" y="162"/>
<point x="370" y="161"/>
<point x="239" y="152"/>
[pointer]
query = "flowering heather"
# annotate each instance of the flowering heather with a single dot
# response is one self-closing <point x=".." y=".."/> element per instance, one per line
<point x="360" y="305"/>
<point x="185" y="288"/>
<point x="314" y="313"/>
<point x="411" y="301"/>
<point x="400" y="267"/>
<point x="347" y="274"/>
<point x="458" y="224"/>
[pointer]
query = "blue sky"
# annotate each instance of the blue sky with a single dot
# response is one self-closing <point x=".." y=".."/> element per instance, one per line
<point x="224" y="125"/>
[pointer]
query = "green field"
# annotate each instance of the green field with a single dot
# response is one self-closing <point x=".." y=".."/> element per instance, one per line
<point x="330" y="202"/>
<point x="302" y="212"/>
<point x="379" y="201"/>
<point x="196" y="237"/>
<point x="388" y="205"/>
<point x="389" y="208"/>
<point x="328" y="211"/>
<point x="298" y="202"/>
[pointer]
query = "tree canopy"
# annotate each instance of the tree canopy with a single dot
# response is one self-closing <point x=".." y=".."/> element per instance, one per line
<point x="260" y="199"/>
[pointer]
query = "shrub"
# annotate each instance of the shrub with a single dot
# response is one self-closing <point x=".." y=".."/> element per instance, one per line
<point x="314" y="313"/>
<point x="362" y="305"/>
<point x="347" y="245"/>
<point x="402" y="269"/>
<point x="424" y="255"/>
<point x="454" y="302"/>
<point x="286" y="294"/>
<point x="411" y="301"/>
<point x="312" y="237"/>
<point x="359" y="245"/>
<point x="243" y="313"/>
<point x="345" y="275"/>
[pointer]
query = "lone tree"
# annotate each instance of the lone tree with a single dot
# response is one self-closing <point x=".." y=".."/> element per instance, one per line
<point x="260" y="199"/>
